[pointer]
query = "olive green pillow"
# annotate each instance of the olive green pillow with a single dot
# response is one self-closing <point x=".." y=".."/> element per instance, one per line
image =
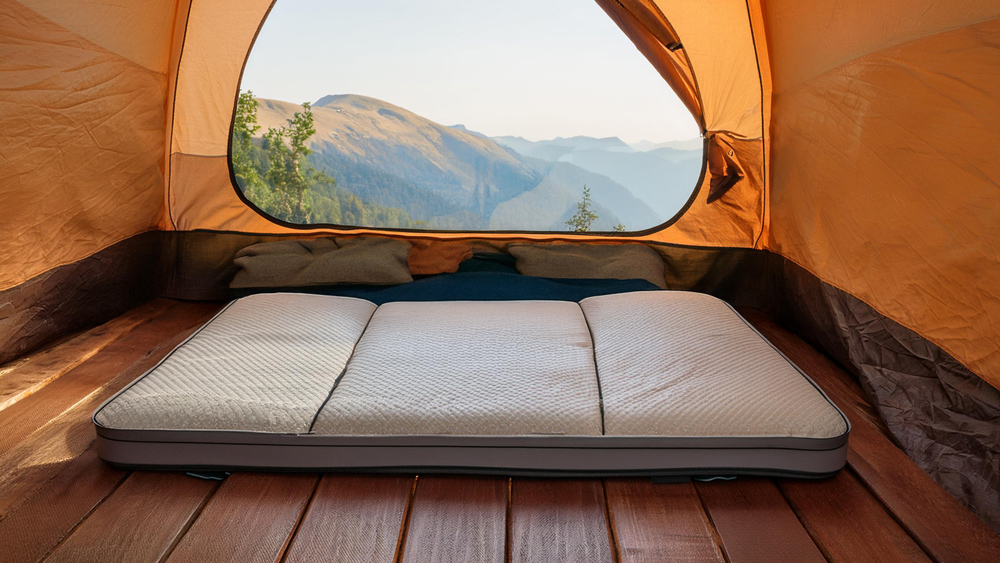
<point x="323" y="261"/>
<point x="590" y="261"/>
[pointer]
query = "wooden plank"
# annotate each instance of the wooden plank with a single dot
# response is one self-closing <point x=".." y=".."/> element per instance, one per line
<point x="29" y="533"/>
<point x="250" y="519"/>
<point x="558" y="520"/>
<point x="31" y="413"/>
<point x="929" y="513"/>
<point x="932" y="516"/>
<point x="42" y="368"/>
<point x="457" y="519"/>
<point x="848" y="523"/>
<point x="31" y="463"/>
<point x="655" y="523"/>
<point x="140" y="521"/>
<point x="755" y="523"/>
<point x="15" y="363"/>
<point x="353" y="519"/>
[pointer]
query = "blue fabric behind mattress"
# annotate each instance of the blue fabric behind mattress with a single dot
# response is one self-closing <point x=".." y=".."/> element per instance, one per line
<point x="474" y="286"/>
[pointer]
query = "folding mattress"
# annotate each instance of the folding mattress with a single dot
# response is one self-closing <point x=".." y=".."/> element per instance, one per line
<point x="643" y="383"/>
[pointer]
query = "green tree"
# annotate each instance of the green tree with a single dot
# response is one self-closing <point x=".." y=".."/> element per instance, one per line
<point x="244" y="128"/>
<point x="290" y="175"/>
<point x="584" y="216"/>
<point x="247" y="157"/>
<point x="276" y="173"/>
<point x="619" y="228"/>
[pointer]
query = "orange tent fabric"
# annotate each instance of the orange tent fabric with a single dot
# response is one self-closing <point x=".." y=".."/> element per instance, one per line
<point x="82" y="96"/>
<point x="885" y="161"/>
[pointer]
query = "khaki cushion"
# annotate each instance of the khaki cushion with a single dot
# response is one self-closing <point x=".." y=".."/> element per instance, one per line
<point x="323" y="261"/>
<point x="590" y="261"/>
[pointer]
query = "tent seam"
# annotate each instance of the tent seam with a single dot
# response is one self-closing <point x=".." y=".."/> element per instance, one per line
<point x="513" y="236"/>
<point x="763" y="126"/>
<point x="173" y="116"/>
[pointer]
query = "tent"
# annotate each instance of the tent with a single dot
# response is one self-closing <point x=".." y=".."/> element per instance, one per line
<point x="851" y="185"/>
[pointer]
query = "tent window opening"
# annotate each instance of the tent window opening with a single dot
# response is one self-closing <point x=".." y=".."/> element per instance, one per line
<point x="458" y="115"/>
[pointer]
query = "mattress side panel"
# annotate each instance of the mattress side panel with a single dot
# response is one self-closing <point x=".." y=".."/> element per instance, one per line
<point x="509" y="460"/>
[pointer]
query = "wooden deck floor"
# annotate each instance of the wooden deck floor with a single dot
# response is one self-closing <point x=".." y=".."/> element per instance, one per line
<point x="59" y="502"/>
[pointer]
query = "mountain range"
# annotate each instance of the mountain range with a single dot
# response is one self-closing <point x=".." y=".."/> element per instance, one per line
<point x="454" y="178"/>
<point x="662" y="177"/>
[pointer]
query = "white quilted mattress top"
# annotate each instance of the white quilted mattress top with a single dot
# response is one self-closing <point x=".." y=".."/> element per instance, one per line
<point x="469" y="368"/>
<point x="661" y="363"/>
<point x="265" y="364"/>
<point x="676" y="363"/>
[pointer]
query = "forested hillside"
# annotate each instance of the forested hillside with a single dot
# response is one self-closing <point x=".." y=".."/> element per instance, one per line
<point x="276" y="172"/>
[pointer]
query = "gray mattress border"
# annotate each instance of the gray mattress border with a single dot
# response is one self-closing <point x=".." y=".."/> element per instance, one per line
<point x="509" y="460"/>
<point x="530" y="441"/>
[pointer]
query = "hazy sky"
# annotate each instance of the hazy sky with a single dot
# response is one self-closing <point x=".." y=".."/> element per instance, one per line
<point x="534" y="68"/>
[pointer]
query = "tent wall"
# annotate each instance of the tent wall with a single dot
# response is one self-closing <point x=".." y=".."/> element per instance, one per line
<point x="885" y="167"/>
<point x="941" y="414"/>
<point x="79" y="295"/>
<point x="886" y="161"/>
<point x="199" y="265"/>
<point x="82" y="101"/>
<point x="81" y="126"/>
